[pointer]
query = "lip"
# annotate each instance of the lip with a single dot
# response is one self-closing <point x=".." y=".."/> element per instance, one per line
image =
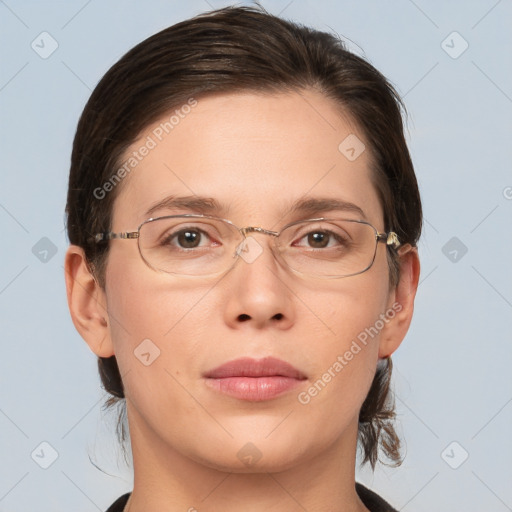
<point x="254" y="379"/>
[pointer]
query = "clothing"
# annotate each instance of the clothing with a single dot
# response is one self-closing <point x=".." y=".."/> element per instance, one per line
<point x="372" y="501"/>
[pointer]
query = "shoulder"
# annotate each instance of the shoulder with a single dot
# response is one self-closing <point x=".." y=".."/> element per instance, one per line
<point x="373" y="501"/>
<point x="119" y="504"/>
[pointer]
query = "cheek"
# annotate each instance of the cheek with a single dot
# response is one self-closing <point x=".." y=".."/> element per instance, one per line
<point x="157" y="323"/>
<point x="346" y="307"/>
<point x="165" y="312"/>
<point x="160" y="334"/>
<point x="349" y="323"/>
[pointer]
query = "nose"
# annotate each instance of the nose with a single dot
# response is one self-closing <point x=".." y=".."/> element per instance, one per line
<point x="257" y="288"/>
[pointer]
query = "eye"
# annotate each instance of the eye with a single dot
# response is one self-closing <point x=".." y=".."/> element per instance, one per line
<point x="322" y="235"/>
<point x="187" y="238"/>
<point x="321" y="239"/>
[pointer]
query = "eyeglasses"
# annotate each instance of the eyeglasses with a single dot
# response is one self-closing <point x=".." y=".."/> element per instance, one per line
<point x="202" y="245"/>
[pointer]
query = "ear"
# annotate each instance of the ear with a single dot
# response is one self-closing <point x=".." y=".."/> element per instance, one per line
<point x="87" y="303"/>
<point x="401" y="302"/>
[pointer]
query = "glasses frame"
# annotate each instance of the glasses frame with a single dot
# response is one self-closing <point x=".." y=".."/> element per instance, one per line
<point x="390" y="238"/>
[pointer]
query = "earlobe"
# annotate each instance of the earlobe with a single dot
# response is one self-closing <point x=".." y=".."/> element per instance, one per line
<point x="401" y="301"/>
<point x="87" y="303"/>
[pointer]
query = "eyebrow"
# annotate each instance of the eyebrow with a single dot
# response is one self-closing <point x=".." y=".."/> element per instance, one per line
<point x="309" y="206"/>
<point x="315" y="205"/>
<point x="194" y="203"/>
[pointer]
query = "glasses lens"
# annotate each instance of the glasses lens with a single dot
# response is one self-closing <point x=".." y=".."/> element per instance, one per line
<point x="189" y="245"/>
<point x="329" y="248"/>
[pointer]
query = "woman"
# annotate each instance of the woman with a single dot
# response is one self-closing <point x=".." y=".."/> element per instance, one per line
<point x="243" y="217"/>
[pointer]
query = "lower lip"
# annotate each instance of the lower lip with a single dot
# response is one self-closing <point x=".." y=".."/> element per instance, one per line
<point x="255" y="389"/>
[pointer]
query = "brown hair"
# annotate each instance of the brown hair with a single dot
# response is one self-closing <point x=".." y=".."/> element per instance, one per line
<point x="230" y="50"/>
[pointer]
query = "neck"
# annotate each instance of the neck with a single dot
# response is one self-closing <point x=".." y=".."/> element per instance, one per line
<point x="166" y="480"/>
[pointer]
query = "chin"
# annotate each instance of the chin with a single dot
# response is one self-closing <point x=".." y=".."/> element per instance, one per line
<point x="253" y="461"/>
<point x="253" y="452"/>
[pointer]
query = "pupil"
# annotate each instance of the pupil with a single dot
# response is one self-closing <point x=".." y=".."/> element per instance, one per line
<point x="318" y="239"/>
<point x="187" y="239"/>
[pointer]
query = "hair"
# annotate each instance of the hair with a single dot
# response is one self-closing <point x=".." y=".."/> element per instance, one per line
<point x="229" y="50"/>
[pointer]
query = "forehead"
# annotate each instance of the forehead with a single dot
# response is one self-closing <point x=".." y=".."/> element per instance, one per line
<point x="255" y="154"/>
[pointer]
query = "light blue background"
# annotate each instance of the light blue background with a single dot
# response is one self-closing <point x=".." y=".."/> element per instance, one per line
<point x="453" y="378"/>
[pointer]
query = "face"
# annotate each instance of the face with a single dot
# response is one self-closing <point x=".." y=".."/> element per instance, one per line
<point x="255" y="155"/>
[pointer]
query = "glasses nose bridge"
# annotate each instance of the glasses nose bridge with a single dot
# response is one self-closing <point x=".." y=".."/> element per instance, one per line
<point x="253" y="229"/>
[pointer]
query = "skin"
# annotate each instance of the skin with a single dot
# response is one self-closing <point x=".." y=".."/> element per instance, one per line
<point x="256" y="154"/>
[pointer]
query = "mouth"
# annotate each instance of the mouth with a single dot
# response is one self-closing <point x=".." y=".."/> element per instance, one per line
<point x="254" y="379"/>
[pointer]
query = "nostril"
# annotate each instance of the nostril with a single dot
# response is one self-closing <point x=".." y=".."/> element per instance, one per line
<point x="243" y="317"/>
<point x="278" y="316"/>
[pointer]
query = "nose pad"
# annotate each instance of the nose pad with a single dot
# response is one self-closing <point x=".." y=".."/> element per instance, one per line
<point x="249" y="249"/>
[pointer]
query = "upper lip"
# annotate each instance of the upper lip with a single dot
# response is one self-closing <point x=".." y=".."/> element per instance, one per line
<point x="248" y="367"/>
